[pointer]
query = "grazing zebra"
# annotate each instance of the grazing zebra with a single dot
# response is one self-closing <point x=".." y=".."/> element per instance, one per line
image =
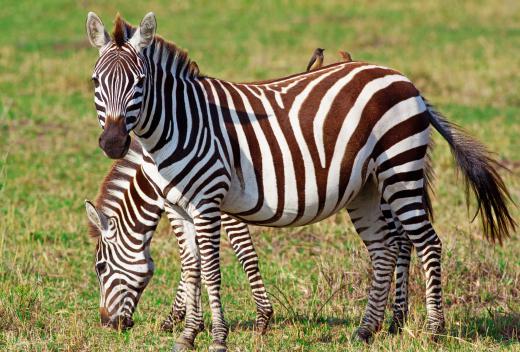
<point x="129" y="207"/>
<point x="285" y="152"/>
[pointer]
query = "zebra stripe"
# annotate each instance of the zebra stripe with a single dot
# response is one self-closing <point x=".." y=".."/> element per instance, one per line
<point x="216" y="150"/>
<point x="132" y="205"/>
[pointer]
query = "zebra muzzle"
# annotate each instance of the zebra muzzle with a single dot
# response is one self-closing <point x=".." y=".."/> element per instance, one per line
<point x="115" y="140"/>
<point x="117" y="323"/>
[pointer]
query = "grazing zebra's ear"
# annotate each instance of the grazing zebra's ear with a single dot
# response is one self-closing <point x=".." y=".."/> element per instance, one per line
<point x="97" y="35"/>
<point x="96" y="217"/>
<point x="143" y="36"/>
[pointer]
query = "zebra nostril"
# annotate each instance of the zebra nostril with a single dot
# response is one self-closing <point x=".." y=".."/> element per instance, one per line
<point x="127" y="323"/>
<point x="122" y="323"/>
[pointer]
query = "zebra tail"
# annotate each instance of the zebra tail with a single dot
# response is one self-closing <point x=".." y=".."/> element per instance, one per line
<point x="480" y="170"/>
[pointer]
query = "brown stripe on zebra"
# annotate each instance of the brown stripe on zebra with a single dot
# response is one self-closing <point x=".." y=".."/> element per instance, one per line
<point x="120" y="196"/>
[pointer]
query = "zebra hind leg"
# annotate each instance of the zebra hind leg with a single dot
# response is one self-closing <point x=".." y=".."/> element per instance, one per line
<point x="404" y="192"/>
<point x="400" y="306"/>
<point x="383" y="248"/>
<point x="242" y="244"/>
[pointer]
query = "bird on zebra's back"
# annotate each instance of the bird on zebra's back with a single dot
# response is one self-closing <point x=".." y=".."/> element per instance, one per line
<point x="345" y="56"/>
<point x="352" y="136"/>
<point x="123" y="221"/>
<point x="316" y="60"/>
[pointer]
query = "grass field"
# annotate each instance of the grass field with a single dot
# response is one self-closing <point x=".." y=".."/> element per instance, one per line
<point x="464" y="58"/>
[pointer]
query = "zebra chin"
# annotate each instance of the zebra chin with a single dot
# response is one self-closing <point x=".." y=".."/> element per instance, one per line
<point x="120" y="323"/>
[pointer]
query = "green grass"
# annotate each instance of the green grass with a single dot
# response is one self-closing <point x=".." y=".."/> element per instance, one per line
<point x="464" y="58"/>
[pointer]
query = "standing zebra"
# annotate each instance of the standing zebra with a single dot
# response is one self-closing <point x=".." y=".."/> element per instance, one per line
<point x="285" y="152"/>
<point x="126" y="214"/>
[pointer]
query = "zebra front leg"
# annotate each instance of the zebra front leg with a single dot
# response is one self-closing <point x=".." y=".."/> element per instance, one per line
<point x="400" y="306"/>
<point x="178" y="310"/>
<point x="191" y="277"/>
<point x="242" y="244"/>
<point x="207" y="226"/>
<point x="370" y="224"/>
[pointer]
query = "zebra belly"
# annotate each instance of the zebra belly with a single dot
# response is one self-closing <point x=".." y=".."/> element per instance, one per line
<point x="242" y="202"/>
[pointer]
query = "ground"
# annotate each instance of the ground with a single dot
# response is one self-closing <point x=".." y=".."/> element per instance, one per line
<point x="463" y="56"/>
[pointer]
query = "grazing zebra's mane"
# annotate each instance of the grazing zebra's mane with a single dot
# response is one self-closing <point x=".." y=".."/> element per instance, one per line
<point x="123" y="31"/>
<point x="117" y="179"/>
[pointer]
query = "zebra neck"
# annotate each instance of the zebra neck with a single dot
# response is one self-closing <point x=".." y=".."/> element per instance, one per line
<point x="174" y="118"/>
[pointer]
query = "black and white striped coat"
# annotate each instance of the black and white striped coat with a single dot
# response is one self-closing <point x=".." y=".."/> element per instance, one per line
<point x="127" y="211"/>
<point x="285" y="152"/>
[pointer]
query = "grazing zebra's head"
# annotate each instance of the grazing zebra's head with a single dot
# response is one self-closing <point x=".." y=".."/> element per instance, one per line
<point x="123" y="268"/>
<point x="119" y="78"/>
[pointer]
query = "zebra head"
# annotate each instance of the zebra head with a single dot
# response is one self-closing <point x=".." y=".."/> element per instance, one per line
<point x="123" y="272"/>
<point x="119" y="79"/>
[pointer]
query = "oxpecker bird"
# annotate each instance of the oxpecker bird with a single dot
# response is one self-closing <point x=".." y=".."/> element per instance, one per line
<point x="316" y="60"/>
<point x="345" y="56"/>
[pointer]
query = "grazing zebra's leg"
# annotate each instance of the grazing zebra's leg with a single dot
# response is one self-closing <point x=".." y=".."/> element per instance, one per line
<point x="383" y="248"/>
<point x="240" y="239"/>
<point x="185" y="233"/>
<point x="404" y="191"/>
<point x="400" y="306"/>
<point x="241" y="242"/>
<point x="178" y="310"/>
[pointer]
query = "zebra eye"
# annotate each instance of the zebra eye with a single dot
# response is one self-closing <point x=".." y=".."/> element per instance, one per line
<point x="95" y="81"/>
<point x="100" y="267"/>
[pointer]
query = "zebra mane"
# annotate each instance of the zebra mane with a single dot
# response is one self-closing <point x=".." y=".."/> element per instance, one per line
<point x="121" y="173"/>
<point x="123" y="31"/>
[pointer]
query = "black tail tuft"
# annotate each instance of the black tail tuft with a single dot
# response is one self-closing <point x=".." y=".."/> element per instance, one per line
<point x="479" y="168"/>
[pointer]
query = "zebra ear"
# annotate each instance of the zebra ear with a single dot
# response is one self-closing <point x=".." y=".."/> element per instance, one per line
<point x="97" y="35"/>
<point x="143" y="36"/>
<point x="96" y="217"/>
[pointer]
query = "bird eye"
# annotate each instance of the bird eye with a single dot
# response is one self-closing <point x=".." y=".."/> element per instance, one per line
<point x="100" y="267"/>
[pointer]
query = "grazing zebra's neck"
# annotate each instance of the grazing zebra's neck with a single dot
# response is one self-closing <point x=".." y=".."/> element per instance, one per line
<point x="131" y="199"/>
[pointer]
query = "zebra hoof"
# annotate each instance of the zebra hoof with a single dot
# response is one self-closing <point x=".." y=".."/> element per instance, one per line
<point x="396" y="326"/>
<point x="262" y="325"/>
<point x="436" y="328"/>
<point x="167" y="326"/>
<point x="261" y="328"/>
<point x="218" y="347"/>
<point x="364" y="335"/>
<point x="182" y="345"/>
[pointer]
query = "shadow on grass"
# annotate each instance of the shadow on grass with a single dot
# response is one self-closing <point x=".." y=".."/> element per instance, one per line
<point x="501" y="327"/>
